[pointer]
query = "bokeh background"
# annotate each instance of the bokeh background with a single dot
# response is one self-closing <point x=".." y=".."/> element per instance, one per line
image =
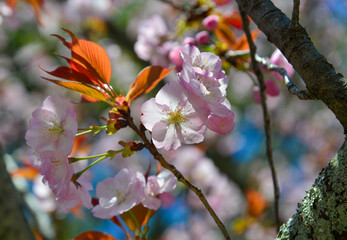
<point x="232" y="170"/>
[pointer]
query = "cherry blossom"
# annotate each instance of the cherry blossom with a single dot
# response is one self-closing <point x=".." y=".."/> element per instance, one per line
<point x="53" y="126"/>
<point x="211" y="22"/>
<point x="203" y="76"/>
<point x="156" y="185"/>
<point x="56" y="171"/>
<point x="77" y="192"/>
<point x="119" y="194"/>
<point x="202" y="37"/>
<point x="280" y="60"/>
<point x="172" y="119"/>
<point x="151" y="45"/>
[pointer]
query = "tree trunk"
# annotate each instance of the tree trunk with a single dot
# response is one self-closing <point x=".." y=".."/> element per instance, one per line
<point x="323" y="212"/>
<point x="13" y="224"/>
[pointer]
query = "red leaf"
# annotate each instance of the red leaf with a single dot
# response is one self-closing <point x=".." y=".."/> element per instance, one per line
<point x="234" y="19"/>
<point x="225" y="34"/>
<point x="94" y="235"/>
<point x="92" y="56"/>
<point x="242" y="43"/>
<point x="81" y="88"/>
<point x="89" y="66"/>
<point x="147" y="79"/>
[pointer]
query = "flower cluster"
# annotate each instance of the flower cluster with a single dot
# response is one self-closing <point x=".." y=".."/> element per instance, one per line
<point x="181" y="112"/>
<point x="51" y="137"/>
<point x="128" y="188"/>
<point x="152" y="44"/>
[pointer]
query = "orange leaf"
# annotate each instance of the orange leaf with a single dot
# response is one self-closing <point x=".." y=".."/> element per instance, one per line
<point x="37" y="6"/>
<point x="225" y="34"/>
<point x="94" y="57"/>
<point x="94" y="235"/>
<point x="242" y="43"/>
<point x="147" y="79"/>
<point x="141" y="214"/>
<point x="81" y="88"/>
<point x="28" y="173"/>
<point x="90" y="68"/>
<point x="69" y="74"/>
<point x="234" y="19"/>
<point x="11" y="3"/>
<point x="256" y="203"/>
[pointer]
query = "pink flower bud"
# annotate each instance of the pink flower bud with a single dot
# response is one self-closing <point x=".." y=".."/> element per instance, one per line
<point x="280" y="60"/>
<point x="202" y="37"/>
<point x="221" y="2"/>
<point x="271" y="88"/>
<point x="189" y="40"/>
<point x="211" y="22"/>
<point x="174" y="56"/>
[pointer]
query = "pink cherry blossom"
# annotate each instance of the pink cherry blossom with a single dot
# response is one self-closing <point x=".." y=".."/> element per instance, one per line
<point x="203" y="76"/>
<point x="222" y="125"/>
<point x="202" y="37"/>
<point x="151" y="45"/>
<point x="56" y="171"/>
<point x="77" y="192"/>
<point x="53" y="126"/>
<point x="211" y="22"/>
<point x="119" y="194"/>
<point x="271" y="88"/>
<point x="156" y="185"/>
<point x="280" y="60"/>
<point x="175" y="57"/>
<point x="189" y="40"/>
<point x="204" y="64"/>
<point x="172" y="119"/>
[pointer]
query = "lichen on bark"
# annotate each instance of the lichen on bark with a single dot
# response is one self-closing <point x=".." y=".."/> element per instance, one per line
<point x="322" y="213"/>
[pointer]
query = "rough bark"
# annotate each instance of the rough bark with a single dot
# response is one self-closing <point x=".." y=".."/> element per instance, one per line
<point x="13" y="224"/>
<point x="323" y="212"/>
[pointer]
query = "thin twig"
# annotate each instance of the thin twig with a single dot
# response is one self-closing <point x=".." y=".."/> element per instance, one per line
<point x="296" y="13"/>
<point x="153" y="150"/>
<point x="260" y="78"/>
<point x="292" y="88"/>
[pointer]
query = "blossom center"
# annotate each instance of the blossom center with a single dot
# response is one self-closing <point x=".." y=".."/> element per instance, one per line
<point x="176" y="117"/>
<point x="197" y="62"/>
<point x="51" y="129"/>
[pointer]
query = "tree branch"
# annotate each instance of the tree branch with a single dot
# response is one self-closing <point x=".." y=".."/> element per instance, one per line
<point x="296" y="12"/>
<point x="292" y="88"/>
<point x="266" y="116"/>
<point x="319" y="75"/>
<point x="153" y="150"/>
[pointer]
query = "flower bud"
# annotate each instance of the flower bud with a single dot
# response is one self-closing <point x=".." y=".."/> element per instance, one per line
<point x="211" y="22"/>
<point x="189" y="40"/>
<point x="202" y="37"/>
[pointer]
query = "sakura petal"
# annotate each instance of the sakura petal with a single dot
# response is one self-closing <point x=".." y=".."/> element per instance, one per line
<point x="151" y="113"/>
<point x="222" y="125"/>
<point x="171" y="94"/>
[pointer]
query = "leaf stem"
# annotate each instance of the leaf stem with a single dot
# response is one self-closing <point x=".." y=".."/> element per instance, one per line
<point x="76" y="159"/>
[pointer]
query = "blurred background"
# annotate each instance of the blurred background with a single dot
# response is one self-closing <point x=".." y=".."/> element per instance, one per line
<point x="232" y="170"/>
